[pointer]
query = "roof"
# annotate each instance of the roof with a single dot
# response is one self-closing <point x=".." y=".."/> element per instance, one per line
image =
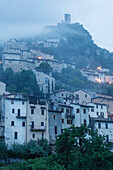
<point x="83" y="91"/>
<point x="61" y="91"/>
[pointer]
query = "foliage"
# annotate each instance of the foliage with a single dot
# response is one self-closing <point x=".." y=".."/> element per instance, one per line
<point x="22" y="82"/>
<point x="32" y="149"/>
<point x="76" y="150"/>
<point x="3" y="150"/>
<point x="44" y="67"/>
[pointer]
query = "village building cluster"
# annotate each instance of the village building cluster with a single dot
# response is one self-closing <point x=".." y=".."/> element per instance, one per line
<point x="24" y="118"/>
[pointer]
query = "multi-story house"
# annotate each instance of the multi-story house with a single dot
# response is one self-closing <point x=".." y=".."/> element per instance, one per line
<point x="45" y="82"/>
<point x="98" y="110"/>
<point x="83" y="96"/>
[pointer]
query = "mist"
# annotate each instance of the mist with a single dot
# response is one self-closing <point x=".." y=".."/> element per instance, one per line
<point x="27" y="18"/>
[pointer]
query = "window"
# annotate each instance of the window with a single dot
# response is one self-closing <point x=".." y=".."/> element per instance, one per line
<point x="92" y="110"/>
<point x="67" y="110"/>
<point x="33" y="135"/>
<point x="84" y="111"/>
<point x="99" y="125"/>
<point x="101" y="106"/>
<point x="32" y="124"/>
<point x="62" y="94"/>
<point x="12" y="101"/>
<point x="69" y="122"/>
<point x="62" y="120"/>
<point x="70" y="111"/>
<point x="13" y="110"/>
<point x="32" y="111"/>
<point x="107" y="138"/>
<point x="54" y="116"/>
<point x="12" y="123"/>
<point x="18" y="112"/>
<point x="55" y="129"/>
<point x="97" y="106"/>
<point x="97" y="113"/>
<point x="42" y="111"/>
<point x="106" y="125"/>
<point x="23" y="102"/>
<point x="85" y="95"/>
<point x="77" y="111"/>
<point x="62" y="109"/>
<point x="84" y="122"/>
<point x="42" y="123"/>
<point x="15" y="135"/>
<point x="42" y="135"/>
<point x="23" y="124"/>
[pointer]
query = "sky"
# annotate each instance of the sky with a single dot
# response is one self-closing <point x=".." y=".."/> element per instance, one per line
<point x="26" y="18"/>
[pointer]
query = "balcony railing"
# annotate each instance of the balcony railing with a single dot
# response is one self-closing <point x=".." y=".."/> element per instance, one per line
<point x="68" y="115"/>
<point x="43" y="128"/>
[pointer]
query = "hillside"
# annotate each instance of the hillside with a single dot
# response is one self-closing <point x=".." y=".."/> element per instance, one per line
<point x="76" y="46"/>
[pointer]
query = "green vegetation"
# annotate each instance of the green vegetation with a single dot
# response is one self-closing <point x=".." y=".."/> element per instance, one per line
<point x="22" y="82"/>
<point x="44" y="67"/>
<point x="76" y="148"/>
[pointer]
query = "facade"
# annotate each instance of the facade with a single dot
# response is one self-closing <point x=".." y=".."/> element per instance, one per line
<point x="45" y="82"/>
<point x="61" y="96"/>
<point x="81" y="115"/>
<point x="2" y="88"/>
<point x="84" y="97"/>
<point x="15" y="120"/>
<point x="97" y="110"/>
<point x="104" y="127"/>
<point x="104" y="100"/>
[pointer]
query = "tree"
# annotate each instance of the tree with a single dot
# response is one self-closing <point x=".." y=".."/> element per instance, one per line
<point x="45" y="67"/>
<point x="77" y="148"/>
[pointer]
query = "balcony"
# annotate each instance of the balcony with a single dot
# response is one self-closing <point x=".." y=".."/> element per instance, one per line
<point x="68" y="115"/>
<point x="43" y="128"/>
<point x="21" y="117"/>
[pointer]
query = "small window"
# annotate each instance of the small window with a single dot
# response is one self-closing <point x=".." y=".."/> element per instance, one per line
<point x="101" y="106"/>
<point x="99" y="125"/>
<point x="107" y="138"/>
<point x="85" y="95"/>
<point x="13" y="110"/>
<point x="92" y="110"/>
<point x="55" y="129"/>
<point x="62" y="109"/>
<point x="97" y="106"/>
<point x="97" y="113"/>
<point x="67" y="110"/>
<point x="16" y="135"/>
<point x="69" y="122"/>
<point x="77" y="111"/>
<point x="12" y="123"/>
<point x="12" y="101"/>
<point x="70" y="111"/>
<point x="23" y="124"/>
<point x="84" y="122"/>
<point x="42" y="135"/>
<point x="42" y="111"/>
<point x="23" y="102"/>
<point x="32" y="111"/>
<point x="54" y="116"/>
<point x="62" y="120"/>
<point x="18" y="112"/>
<point x="32" y="124"/>
<point x="33" y="135"/>
<point x="106" y="125"/>
<point x="84" y="111"/>
<point x="62" y="94"/>
<point x="42" y="123"/>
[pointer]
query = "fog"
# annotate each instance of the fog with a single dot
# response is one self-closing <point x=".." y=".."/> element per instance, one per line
<point x="26" y="18"/>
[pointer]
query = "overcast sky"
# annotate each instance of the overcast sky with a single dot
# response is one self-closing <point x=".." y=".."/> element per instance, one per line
<point x="22" y="18"/>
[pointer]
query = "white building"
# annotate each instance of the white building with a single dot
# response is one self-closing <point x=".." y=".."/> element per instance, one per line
<point x="15" y="120"/>
<point x="97" y="110"/>
<point x="104" y="127"/>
